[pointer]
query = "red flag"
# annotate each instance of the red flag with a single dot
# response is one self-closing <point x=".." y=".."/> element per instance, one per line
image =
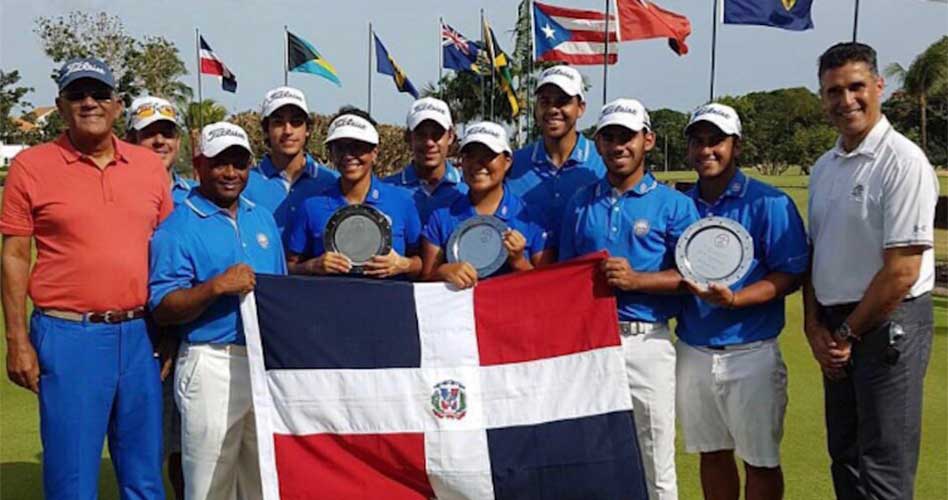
<point x="641" y="19"/>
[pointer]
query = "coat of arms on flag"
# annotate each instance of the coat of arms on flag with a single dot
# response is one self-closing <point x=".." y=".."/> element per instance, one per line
<point x="515" y="389"/>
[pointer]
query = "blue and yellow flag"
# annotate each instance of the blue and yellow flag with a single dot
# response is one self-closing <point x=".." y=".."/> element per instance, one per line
<point x="387" y="66"/>
<point x="787" y="14"/>
<point x="302" y="57"/>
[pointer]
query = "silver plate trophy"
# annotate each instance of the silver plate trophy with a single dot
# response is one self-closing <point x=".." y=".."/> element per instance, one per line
<point x="714" y="249"/>
<point x="479" y="241"/>
<point x="359" y="232"/>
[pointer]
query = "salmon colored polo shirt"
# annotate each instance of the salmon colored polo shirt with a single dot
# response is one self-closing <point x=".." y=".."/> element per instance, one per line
<point x="91" y="226"/>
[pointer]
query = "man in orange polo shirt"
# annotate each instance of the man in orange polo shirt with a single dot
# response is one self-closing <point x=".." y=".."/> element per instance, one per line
<point x="90" y="202"/>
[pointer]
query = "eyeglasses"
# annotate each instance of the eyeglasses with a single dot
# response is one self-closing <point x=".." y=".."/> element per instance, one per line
<point x="76" y="95"/>
<point x="148" y="110"/>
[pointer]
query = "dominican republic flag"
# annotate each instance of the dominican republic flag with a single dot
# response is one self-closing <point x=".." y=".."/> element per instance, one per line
<point x="574" y="36"/>
<point x="212" y="65"/>
<point x="515" y="389"/>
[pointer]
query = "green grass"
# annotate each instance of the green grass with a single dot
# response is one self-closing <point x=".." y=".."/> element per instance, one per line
<point x="805" y="461"/>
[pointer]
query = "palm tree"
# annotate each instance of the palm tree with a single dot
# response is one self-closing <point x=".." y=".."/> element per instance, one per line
<point x="925" y="77"/>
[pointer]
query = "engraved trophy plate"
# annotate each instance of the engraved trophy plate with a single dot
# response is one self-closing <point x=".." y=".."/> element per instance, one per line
<point x="479" y="241"/>
<point x="359" y="232"/>
<point x="714" y="249"/>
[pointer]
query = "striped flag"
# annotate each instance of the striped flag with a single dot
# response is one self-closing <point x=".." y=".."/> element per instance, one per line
<point x="212" y="65"/>
<point x="515" y="389"/>
<point x="573" y="36"/>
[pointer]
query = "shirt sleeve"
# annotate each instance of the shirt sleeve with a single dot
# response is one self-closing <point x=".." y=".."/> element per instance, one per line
<point x="433" y="231"/>
<point x="166" y="203"/>
<point x="568" y="229"/>
<point x="16" y="216"/>
<point x="170" y="266"/>
<point x="909" y="196"/>
<point x="412" y="227"/>
<point x="785" y="244"/>
<point x="683" y="215"/>
<point x="297" y="233"/>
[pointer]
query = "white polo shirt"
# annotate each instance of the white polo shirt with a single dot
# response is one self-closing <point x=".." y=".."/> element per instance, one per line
<point x="880" y="195"/>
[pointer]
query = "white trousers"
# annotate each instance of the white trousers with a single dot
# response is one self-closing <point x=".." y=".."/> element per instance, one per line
<point x="218" y="435"/>
<point x="650" y="366"/>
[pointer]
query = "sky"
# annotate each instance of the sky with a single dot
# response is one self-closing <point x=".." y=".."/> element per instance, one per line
<point x="248" y="36"/>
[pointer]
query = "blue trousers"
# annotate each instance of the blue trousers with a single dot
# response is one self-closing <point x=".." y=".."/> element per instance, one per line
<point x="98" y="380"/>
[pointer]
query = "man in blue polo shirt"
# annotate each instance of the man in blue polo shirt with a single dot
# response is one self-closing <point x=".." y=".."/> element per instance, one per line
<point x="547" y="173"/>
<point x="638" y="220"/>
<point x="433" y="180"/>
<point x="732" y="382"/>
<point x="203" y="257"/>
<point x="287" y="175"/>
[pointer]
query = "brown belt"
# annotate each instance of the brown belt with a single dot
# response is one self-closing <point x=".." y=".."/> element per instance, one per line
<point x="108" y="317"/>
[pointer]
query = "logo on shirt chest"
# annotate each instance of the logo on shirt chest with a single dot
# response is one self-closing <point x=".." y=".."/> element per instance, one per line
<point x="263" y="241"/>
<point x="858" y="191"/>
<point x="641" y="227"/>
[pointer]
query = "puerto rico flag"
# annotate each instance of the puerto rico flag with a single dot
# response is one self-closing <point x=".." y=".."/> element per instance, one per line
<point x="574" y="36"/>
<point x="515" y="389"/>
<point x="212" y="65"/>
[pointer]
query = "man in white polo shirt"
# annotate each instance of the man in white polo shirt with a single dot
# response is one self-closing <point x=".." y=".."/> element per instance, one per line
<point x="868" y="307"/>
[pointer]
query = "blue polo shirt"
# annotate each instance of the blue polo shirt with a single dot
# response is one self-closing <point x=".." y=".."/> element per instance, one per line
<point x="780" y="245"/>
<point x="180" y="187"/>
<point x="511" y="210"/>
<point x="198" y="241"/>
<point x="643" y="225"/>
<point x="448" y="190"/>
<point x="305" y="232"/>
<point x="270" y="189"/>
<point x="547" y="189"/>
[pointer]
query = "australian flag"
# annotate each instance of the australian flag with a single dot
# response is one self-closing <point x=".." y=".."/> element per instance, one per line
<point x="515" y="389"/>
<point x="787" y="14"/>
<point x="459" y="53"/>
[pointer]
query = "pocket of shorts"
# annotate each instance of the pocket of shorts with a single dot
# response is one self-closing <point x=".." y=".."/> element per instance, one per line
<point x="40" y="331"/>
<point x="185" y="380"/>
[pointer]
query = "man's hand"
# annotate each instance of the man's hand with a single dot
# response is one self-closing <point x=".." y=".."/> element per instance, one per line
<point x="167" y="351"/>
<point x="236" y="280"/>
<point x="715" y="293"/>
<point x="328" y="263"/>
<point x="22" y="365"/>
<point x="619" y="274"/>
<point x="460" y="274"/>
<point x="833" y="356"/>
<point x="515" y="243"/>
<point x="386" y="266"/>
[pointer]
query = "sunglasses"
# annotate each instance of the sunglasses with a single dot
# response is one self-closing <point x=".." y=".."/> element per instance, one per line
<point x="148" y="110"/>
<point x="75" y="95"/>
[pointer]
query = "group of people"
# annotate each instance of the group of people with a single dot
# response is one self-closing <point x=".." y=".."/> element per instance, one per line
<point x="138" y="273"/>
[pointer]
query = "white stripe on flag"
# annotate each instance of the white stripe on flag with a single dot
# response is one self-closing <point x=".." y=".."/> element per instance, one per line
<point x="574" y="24"/>
<point x="584" y="48"/>
<point x="398" y="399"/>
<point x="262" y="400"/>
<point x="206" y="54"/>
<point x="446" y="326"/>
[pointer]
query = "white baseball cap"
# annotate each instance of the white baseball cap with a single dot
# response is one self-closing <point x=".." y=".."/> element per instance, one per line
<point x="628" y="113"/>
<point x="352" y="127"/>
<point x="283" y="96"/>
<point x="146" y="110"/>
<point x="566" y="78"/>
<point x="219" y="136"/>
<point x="489" y="134"/>
<point x="429" y="108"/>
<point x="722" y="116"/>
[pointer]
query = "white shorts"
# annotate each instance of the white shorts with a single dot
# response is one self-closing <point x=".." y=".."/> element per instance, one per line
<point x="733" y="399"/>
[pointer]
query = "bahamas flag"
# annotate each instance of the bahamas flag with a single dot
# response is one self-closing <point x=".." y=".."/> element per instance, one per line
<point x="302" y="57"/>
<point x="387" y="66"/>
<point x="787" y="14"/>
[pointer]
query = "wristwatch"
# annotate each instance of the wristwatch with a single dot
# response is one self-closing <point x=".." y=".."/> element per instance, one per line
<point x="844" y="333"/>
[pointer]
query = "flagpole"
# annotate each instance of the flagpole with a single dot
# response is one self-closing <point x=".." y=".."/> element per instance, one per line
<point x="286" y="55"/>
<point x="714" y="45"/>
<point x="371" y="42"/>
<point x="533" y="49"/>
<point x="483" y="90"/>
<point x="855" y="20"/>
<point x="440" y="56"/>
<point x="200" y="107"/>
<point x="605" y="57"/>
<point x="493" y="62"/>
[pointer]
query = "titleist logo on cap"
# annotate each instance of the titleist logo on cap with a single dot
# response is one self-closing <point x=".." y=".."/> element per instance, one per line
<point x="349" y="121"/>
<point x="282" y="94"/>
<point x="428" y="106"/>
<point x="221" y="132"/>
<point x="82" y="66"/>
<point x="710" y="110"/>
<point x="558" y="71"/>
<point x="619" y="108"/>
<point x="483" y="130"/>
